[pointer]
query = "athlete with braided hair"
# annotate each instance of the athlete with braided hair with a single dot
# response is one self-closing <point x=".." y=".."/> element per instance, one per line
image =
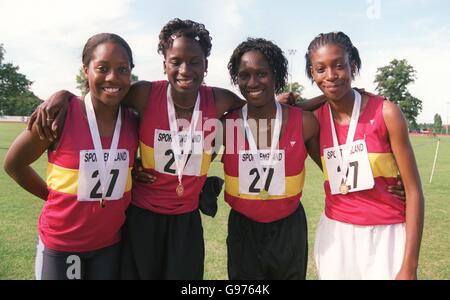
<point x="365" y="232"/>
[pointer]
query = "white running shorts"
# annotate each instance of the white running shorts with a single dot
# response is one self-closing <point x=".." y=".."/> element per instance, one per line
<point x="347" y="251"/>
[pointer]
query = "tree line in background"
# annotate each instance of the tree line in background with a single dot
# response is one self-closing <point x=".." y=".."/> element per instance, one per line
<point x="16" y="98"/>
<point x="437" y="127"/>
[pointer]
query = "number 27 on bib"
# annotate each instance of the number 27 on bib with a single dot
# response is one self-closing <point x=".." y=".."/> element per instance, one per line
<point x="358" y="175"/>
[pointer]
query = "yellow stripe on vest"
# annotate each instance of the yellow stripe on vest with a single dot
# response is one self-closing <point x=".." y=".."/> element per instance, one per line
<point x="382" y="165"/>
<point x="147" y="156"/>
<point x="65" y="180"/>
<point x="294" y="185"/>
<point x="206" y="162"/>
<point x="62" y="179"/>
<point x="148" y="159"/>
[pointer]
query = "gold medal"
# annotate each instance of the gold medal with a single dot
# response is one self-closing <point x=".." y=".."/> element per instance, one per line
<point x="180" y="190"/>
<point x="343" y="188"/>
<point x="102" y="203"/>
<point x="264" y="195"/>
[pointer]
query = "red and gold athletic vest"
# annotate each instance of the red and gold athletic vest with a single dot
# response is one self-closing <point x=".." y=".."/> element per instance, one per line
<point x="275" y="207"/>
<point x="65" y="223"/>
<point x="369" y="207"/>
<point x="158" y="156"/>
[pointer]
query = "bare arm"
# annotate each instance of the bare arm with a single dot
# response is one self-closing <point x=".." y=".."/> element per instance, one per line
<point x="404" y="157"/>
<point x="139" y="174"/>
<point x="311" y="137"/>
<point x="219" y="141"/>
<point x="313" y="103"/>
<point x="137" y="96"/>
<point x="50" y="115"/>
<point x="26" y="149"/>
<point x="226" y="101"/>
<point x="308" y="105"/>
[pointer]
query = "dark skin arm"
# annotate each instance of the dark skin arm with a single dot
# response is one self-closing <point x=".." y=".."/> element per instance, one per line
<point x="137" y="98"/>
<point x="398" y="190"/>
<point x="26" y="149"/>
<point x="139" y="174"/>
<point x="311" y="133"/>
<point x="406" y="162"/>
<point x="226" y="101"/>
<point x="308" y="105"/>
<point x="50" y="115"/>
<point x="312" y="104"/>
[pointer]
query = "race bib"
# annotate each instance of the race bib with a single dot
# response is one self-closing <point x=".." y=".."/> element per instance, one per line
<point x="359" y="172"/>
<point x="89" y="187"/>
<point x="250" y="181"/>
<point x="165" y="157"/>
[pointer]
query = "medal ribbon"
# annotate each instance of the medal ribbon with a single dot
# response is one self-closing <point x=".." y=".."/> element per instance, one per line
<point x="343" y="156"/>
<point x="103" y="168"/>
<point x="181" y="153"/>
<point x="274" y="143"/>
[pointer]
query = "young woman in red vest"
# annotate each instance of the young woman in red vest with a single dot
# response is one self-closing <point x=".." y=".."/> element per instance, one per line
<point x="365" y="232"/>
<point x="265" y="169"/>
<point x="164" y="233"/>
<point x="88" y="185"/>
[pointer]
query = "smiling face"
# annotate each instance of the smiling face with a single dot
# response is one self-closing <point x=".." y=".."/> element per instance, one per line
<point x="185" y="65"/>
<point x="255" y="79"/>
<point x="108" y="73"/>
<point x="332" y="71"/>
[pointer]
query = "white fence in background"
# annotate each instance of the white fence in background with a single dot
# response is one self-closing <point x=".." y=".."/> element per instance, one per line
<point x="13" y="119"/>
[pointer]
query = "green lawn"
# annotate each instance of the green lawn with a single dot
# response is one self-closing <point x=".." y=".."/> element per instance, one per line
<point x="19" y="212"/>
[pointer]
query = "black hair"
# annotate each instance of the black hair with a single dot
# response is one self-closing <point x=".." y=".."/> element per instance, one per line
<point x="337" y="38"/>
<point x="177" y="28"/>
<point x="101" y="38"/>
<point x="274" y="55"/>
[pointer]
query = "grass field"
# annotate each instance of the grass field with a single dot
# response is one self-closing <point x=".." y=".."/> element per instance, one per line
<point x="19" y="212"/>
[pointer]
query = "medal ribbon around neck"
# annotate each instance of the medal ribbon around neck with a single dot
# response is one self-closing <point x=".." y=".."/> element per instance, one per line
<point x="343" y="157"/>
<point x="181" y="153"/>
<point x="252" y="144"/>
<point x="103" y="168"/>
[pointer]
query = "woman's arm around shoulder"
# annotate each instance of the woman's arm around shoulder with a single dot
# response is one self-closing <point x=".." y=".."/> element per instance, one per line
<point x="291" y="98"/>
<point x="49" y="116"/>
<point x="225" y="101"/>
<point x="138" y="95"/>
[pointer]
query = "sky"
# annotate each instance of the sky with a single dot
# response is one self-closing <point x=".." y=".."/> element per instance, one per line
<point x="45" y="38"/>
